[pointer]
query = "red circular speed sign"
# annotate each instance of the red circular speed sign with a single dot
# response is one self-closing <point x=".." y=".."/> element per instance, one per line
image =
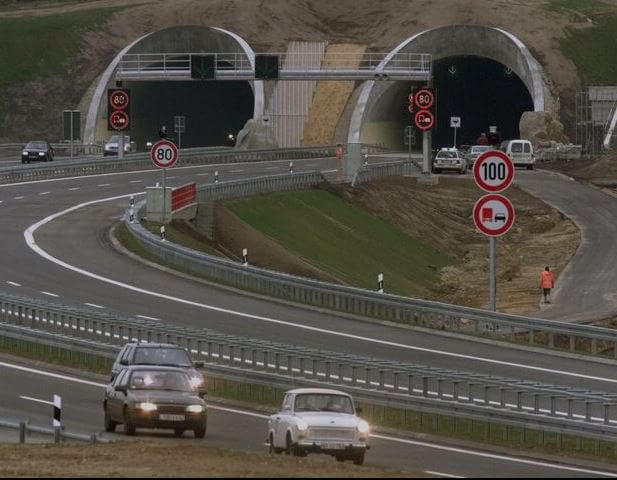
<point x="493" y="215"/>
<point x="493" y="171"/>
<point x="424" y="120"/>
<point x="119" y="120"/>
<point x="119" y="99"/>
<point x="424" y="98"/>
<point x="164" y="154"/>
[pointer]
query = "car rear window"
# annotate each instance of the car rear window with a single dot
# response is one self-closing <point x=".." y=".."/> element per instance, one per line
<point x="39" y="145"/>
<point x="480" y="149"/>
<point x="162" y="356"/>
<point x="517" y="148"/>
<point x="447" y="155"/>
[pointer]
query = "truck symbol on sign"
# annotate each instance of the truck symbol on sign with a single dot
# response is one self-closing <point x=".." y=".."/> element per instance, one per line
<point x="487" y="214"/>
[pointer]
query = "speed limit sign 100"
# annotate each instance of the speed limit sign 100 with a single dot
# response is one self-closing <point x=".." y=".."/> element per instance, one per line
<point x="164" y="154"/>
<point x="493" y="171"/>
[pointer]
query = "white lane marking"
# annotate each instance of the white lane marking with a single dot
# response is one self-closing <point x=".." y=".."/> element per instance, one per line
<point x="38" y="400"/>
<point x="272" y="168"/>
<point x="44" y="193"/>
<point x="329" y="171"/>
<point x="379" y="437"/>
<point x="136" y="181"/>
<point x="444" y="475"/>
<point x="80" y="177"/>
<point x="103" y="184"/>
<point x="146" y="317"/>
<point x="49" y="293"/>
<point x="15" y="284"/>
<point x="204" y="174"/>
<point x="72" y="189"/>
<point x="18" y="198"/>
<point x="29" y="237"/>
<point x="494" y="456"/>
<point x="93" y="305"/>
<point x="236" y="171"/>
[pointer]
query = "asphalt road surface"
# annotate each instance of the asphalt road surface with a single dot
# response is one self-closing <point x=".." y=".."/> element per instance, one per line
<point x="240" y="429"/>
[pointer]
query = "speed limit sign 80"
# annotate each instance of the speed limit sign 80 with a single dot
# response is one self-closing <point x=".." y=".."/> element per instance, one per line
<point x="164" y="154"/>
<point x="493" y="171"/>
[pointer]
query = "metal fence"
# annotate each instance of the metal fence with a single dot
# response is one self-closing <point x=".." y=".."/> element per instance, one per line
<point x="25" y="428"/>
<point x="375" y="381"/>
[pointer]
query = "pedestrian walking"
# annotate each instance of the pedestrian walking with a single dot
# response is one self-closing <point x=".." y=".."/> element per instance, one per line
<point x="547" y="281"/>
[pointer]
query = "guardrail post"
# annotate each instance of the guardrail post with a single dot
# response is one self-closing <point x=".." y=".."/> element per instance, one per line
<point x="573" y="344"/>
<point x="93" y="439"/>
<point x="410" y="390"/>
<point x="536" y="403"/>
<point x="327" y="375"/>
<point x="301" y="361"/>
<point x="396" y="381"/>
<point x="242" y="357"/>
<point x="570" y="405"/>
<point x="209" y="351"/>
<point x="290" y="362"/>
<point x="532" y="335"/>
<point x="486" y="392"/>
<point x="277" y="362"/>
<point x="519" y="400"/>
<point x="221" y="356"/>
<point x="553" y="402"/>
<point x="440" y="388"/>
<point x="341" y="367"/>
<point x="502" y="397"/>
<point x="266" y="355"/>
<point x="594" y="346"/>
<point x="551" y="340"/>
<point x="22" y="432"/>
<point x="254" y="358"/>
<point x="57" y="433"/>
<point x="425" y="386"/>
<point x="232" y="354"/>
<point x="470" y="394"/>
<point x="587" y="411"/>
<point x="367" y="377"/>
<point x="607" y="407"/>
<point x="455" y="391"/>
<point x="382" y="379"/>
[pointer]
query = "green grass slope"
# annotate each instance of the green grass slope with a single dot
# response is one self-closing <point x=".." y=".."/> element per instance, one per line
<point x="343" y="240"/>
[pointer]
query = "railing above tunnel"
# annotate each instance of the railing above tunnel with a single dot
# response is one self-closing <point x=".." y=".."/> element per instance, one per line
<point x="292" y="66"/>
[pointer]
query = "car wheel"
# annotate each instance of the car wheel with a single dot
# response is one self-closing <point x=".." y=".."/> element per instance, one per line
<point x="290" y="450"/>
<point x="200" y="431"/>
<point x="358" y="458"/>
<point x="178" y="432"/>
<point x="129" y="426"/>
<point x="271" y="448"/>
<point x="110" y="425"/>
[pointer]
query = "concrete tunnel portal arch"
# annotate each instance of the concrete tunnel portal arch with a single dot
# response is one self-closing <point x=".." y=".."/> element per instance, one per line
<point x="213" y="109"/>
<point x="483" y="74"/>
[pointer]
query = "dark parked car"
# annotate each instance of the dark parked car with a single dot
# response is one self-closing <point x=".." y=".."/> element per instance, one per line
<point x="39" y="151"/>
<point x="163" y="354"/>
<point x="154" y="397"/>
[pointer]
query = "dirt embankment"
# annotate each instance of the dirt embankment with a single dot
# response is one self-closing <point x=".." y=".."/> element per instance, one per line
<point x="441" y="215"/>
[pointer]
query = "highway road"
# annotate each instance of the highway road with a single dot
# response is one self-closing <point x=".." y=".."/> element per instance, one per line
<point x="80" y="238"/>
<point x="240" y="429"/>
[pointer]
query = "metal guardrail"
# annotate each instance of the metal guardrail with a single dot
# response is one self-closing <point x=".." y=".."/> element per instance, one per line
<point x="59" y="434"/>
<point x="595" y="341"/>
<point x="387" y="169"/>
<point x="136" y="161"/>
<point x="412" y="386"/>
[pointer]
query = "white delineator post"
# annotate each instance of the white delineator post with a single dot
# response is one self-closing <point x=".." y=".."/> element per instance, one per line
<point x="380" y="283"/>
<point x="57" y="420"/>
<point x="216" y="176"/>
<point x="291" y="167"/>
<point x="163" y="232"/>
<point x="245" y="257"/>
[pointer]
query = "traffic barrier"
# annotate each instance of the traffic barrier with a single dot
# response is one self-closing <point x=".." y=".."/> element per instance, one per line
<point x="183" y="196"/>
<point x="25" y="428"/>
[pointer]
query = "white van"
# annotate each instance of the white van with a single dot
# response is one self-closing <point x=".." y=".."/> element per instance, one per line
<point x="520" y="152"/>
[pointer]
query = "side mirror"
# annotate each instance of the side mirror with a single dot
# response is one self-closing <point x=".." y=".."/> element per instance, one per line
<point x="124" y="361"/>
<point x="198" y="364"/>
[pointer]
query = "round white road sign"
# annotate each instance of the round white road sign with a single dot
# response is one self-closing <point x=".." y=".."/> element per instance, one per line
<point x="164" y="154"/>
<point x="493" y="171"/>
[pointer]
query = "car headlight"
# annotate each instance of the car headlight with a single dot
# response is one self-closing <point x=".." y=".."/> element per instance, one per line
<point x="24" y="152"/>
<point x="146" y="406"/>
<point x="195" y="408"/>
<point x="41" y="154"/>
<point x="363" y="427"/>
<point x="197" y="381"/>
<point x="302" y="425"/>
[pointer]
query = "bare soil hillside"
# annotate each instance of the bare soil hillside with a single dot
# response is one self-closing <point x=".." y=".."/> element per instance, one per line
<point x="267" y="26"/>
<point x="442" y="216"/>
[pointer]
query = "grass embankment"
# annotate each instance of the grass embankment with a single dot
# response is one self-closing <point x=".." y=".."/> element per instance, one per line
<point x="592" y="48"/>
<point x="182" y="234"/>
<point x="35" y="47"/>
<point x="159" y="460"/>
<point x="343" y="240"/>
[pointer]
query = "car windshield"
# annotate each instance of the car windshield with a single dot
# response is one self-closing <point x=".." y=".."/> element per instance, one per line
<point x="323" y="402"/>
<point x="446" y="154"/>
<point x="160" y="380"/>
<point x="116" y="139"/>
<point x="37" y="145"/>
<point x="162" y="356"/>
<point x="481" y="148"/>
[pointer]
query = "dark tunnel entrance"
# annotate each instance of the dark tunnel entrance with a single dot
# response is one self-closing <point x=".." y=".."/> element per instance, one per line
<point x="482" y="92"/>
<point x="213" y="111"/>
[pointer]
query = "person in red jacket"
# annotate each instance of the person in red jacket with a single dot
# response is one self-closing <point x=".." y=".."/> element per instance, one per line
<point x="547" y="281"/>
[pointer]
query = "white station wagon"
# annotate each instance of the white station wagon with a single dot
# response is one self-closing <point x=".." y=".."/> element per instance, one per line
<point x="319" y="420"/>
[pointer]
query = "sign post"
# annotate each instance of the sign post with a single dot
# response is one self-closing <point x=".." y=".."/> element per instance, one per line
<point x="455" y="123"/>
<point x="179" y="127"/>
<point x="493" y="214"/>
<point x="119" y="111"/>
<point x="164" y="154"/>
<point x="424" y="120"/>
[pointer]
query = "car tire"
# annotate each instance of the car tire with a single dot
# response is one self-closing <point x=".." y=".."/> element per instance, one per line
<point x="110" y="425"/>
<point x="358" y="458"/>
<point x="129" y="426"/>
<point x="271" y="448"/>
<point x="200" y="431"/>
<point x="291" y="448"/>
<point x="178" y="432"/>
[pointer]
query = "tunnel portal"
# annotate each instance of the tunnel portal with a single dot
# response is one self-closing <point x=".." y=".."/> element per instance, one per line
<point x="482" y="92"/>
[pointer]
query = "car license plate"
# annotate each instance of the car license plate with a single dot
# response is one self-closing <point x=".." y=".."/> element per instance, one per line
<point x="332" y="446"/>
<point x="171" y="418"/>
